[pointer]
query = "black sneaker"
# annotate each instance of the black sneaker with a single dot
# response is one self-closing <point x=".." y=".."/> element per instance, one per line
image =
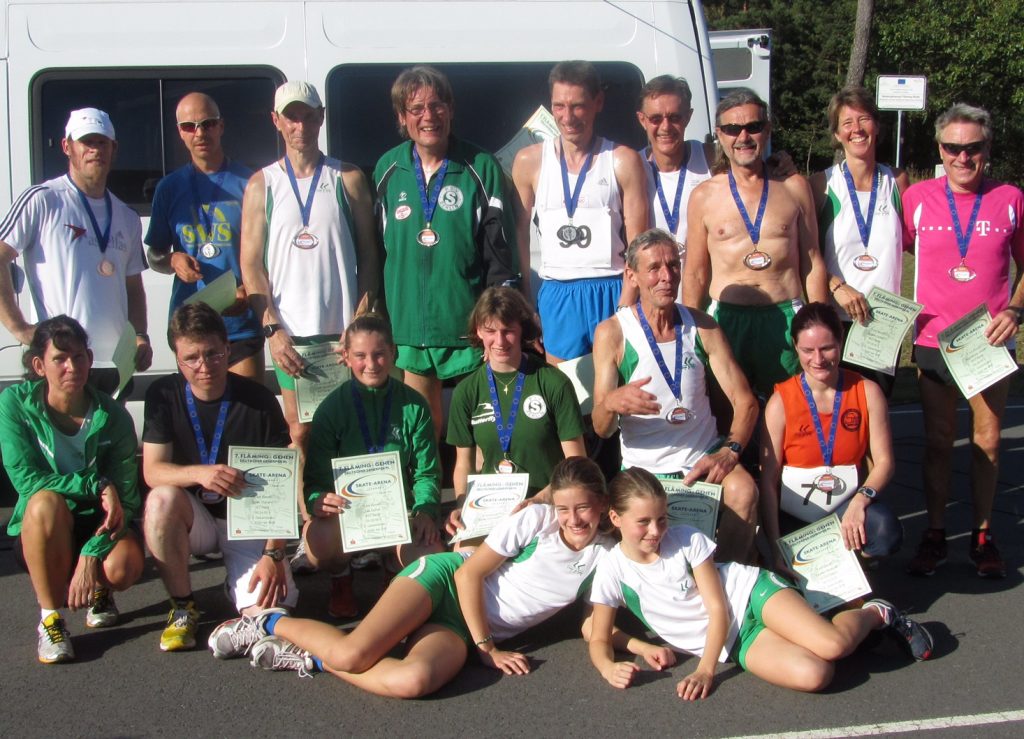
<point x="985" y="556"/>
<point x="912" y="635"/>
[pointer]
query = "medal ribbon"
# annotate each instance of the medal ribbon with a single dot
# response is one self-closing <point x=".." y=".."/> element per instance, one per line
<point x="829" y="445"/>
<point x="207" y="456"/>
<point x="203" y="217"/>
<point x="754" y="229"/>
<point x="963" y="240"/>
<point x="102" y="237"/>
<point x="305" y="208"/>
<point x="505" y="429"/>
<point x="364" y="426"/>
<point x="429" y="202"/>
<point x="864" y="226"/>
<point x="572" y="199"/>
<point x="671" y="217"/>
<point x="674" y="385"/>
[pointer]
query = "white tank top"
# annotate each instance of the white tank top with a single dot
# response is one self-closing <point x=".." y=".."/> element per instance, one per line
<point x="841" y="242"/>
<point x="600" y="250"/>
<point x="695" y="172"/>
<point x="652" y="442"/>
<point x="312" y="280"/>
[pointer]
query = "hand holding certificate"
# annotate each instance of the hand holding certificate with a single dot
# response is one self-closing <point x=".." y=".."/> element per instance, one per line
<point x="975" y="364"/>
<point x="540" y="127"/>
<point x="877" y="344"/>
<point x="372" y="486"/>
<point x="488" y="500"/>
<point x="322" y="374"/>
<point x="827" y="572"/>
<point x="696" y="505"/>
<point x="268" y="506"/>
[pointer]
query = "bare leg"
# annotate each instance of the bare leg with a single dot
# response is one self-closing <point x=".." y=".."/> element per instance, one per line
<point x="252" y="367"/>
<point x="938" y="403"/>
<point x="430" y="388"/>
<point x="300" y="438"/>
<point x="323" y="544"/>
<point x="123" y="566"/>
<point x="987" y="419"/>
<point x="167" y="523"/>
<point x="739" y="518"/>
<point x="46" y="533"/>
<point x="407" y="553"/>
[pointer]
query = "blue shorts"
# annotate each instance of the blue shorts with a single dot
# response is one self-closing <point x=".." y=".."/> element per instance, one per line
<point x="570" y="311"/>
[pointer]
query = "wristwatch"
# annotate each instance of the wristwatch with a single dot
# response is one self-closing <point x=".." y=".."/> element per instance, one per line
<point x="735" y="446"/>
<point x="1019" y="312"/>
<point x="270" y="329"/>
<point x="869" y="493"/>
<point x="276" y="554"/>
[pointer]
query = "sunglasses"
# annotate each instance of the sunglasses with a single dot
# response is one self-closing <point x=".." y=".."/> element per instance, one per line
<point x="193" y="126"/>
<point x="735" y="129"/>
<point x="673" y="118"/>
<point x="973" y="149"/>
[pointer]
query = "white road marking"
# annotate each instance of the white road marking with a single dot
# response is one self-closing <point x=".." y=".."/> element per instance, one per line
<point x="899" y="727"/>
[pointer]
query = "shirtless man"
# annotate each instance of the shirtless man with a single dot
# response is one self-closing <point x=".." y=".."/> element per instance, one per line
<point x="581" y="190"/>
<point x="752" y="247"/>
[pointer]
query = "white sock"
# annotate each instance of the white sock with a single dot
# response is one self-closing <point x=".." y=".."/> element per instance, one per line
<point x="44" y="613"/>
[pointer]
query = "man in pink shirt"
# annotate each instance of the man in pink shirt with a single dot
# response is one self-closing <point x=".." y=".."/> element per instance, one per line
<point x="963" y="230"/>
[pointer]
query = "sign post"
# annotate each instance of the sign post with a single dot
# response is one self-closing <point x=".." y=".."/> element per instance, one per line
<point x="894" y="92"/>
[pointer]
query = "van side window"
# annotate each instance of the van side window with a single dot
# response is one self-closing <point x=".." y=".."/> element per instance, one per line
<point x="141" y="104"/>
<point x="492" y="102"/>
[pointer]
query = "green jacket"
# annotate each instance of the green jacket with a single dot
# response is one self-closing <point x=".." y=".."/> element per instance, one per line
<point x="430" y="291"/>
<point x="26" y="441"/>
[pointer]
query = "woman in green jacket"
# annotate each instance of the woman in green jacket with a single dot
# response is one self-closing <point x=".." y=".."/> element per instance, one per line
<point x="70" y="454"/>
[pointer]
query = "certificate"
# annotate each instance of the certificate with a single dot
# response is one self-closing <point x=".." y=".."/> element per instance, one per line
<point x="541" y="126"/>
<point x="489" y="499"/>
<point x="974" y="363"/>
<point x="372" y="486"/>
<point x="219" y="293"/>
<point x="580" y="372"/>
<point x="268" y="507"/>
<point x="321" y="375"/>
<point x="877" y="344"/>
<point x="827" y="572"/>
<point x="124" y="357"/>
<point x="695" y="505"/>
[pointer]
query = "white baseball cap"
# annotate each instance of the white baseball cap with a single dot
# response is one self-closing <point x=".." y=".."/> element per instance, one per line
<point x="296" y="91"/>
<point x="85" y="121"/>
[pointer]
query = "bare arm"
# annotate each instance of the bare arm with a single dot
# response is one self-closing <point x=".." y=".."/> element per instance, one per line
<point x="525" y="170"/>
<point x="632" y="179"/>
<point x="137" y="317"/>
<point x="602" y="651"/>
<point x="812" y="265"/>
<point x="697" y="270"/>
<point x="699" y="683"/>
<point x="367" y="252"/>
<point x="158" y="469"/>
<point x="10" y="314"/>
<point x="773" y="432"/>
<point x="882" y="466"/>
<point x="610" y="400"/>
<point x="574" y="448"/>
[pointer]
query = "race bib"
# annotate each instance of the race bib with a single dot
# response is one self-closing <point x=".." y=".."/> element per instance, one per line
<point x="809" y="493"/>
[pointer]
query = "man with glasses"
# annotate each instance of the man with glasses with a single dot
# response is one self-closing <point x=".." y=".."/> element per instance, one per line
<point x="196" y="224"/>
<point x="448" y="234"/>
<point x="963" y="229"/>
<point x="81" y="252"/>
<point x="588" y="197"/>
<point x="752" y="246"/>
<point x="191" y="419"/>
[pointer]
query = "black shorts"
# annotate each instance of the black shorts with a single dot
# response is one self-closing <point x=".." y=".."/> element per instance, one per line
<point x="84" y="528"/>
<point x="244" y="348"/>
<point x="929" y="361"/>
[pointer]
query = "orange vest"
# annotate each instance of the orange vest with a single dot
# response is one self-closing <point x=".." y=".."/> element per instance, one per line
<point x="800" y="447"/>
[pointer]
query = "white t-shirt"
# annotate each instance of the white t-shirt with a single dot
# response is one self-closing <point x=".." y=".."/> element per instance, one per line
<point x="664" y="595"/>
<point x="542" y="574"/>
<point x="59" y="249"/>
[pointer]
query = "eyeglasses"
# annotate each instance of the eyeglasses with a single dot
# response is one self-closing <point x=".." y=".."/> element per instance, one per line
<point x="673" y="118"/>
<point x="210" y="358"/>
<point x="192" y="126"/>
<point x="973" y="149"/>
<point x="436" y="108"/>
<point x="735" y="129"/>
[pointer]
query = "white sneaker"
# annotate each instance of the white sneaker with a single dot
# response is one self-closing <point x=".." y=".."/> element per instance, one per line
<point x="275" y="653"/>
<point x="54" y="643"/>
<point x="102" y="611"/>
<point x="299" y="562"/>
<point x="236" y="637"/>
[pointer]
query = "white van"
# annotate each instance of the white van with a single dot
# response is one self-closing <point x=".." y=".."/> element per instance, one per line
<point x="136" y="59"/>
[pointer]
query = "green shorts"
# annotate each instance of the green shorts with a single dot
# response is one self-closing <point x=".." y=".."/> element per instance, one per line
<point x="766" y="585"/>
<point x="286" y="381"/>
<point x="436" y="573"/>
<point x="442" y="362"/>
<point x="759" y="338"/>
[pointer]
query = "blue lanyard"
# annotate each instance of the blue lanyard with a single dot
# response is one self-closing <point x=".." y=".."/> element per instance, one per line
<point x="207" y="457"/>
<point x="829" y="445"/>
<point x="305" y="208"/>
<point x="204" y="218"/>
<point x="428" y="201"/>
<point x="102" y="237"/>
<point x="572" y="199"/>
<point x="963" y="240"/>
<point x="864" y="226"/>
<point x="676" y="384"/>
<point x="754" y="229"/>
<point x="671" y="217"/>
<point x="505" y="429"/>
<point x="364" y="426"/>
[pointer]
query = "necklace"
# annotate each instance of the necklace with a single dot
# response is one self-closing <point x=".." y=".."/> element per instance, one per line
<point x="506" y="385"/>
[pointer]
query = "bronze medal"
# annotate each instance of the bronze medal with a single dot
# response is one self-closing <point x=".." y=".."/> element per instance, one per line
<point x="305" y="240"/>
<point x="757" y="260"/>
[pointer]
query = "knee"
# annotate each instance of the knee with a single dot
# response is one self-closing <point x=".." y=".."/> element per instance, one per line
<point x="323" y="543"/>
<point x="986" y="440"/>
<point x="813" y="675"/>
<point x="347" y="657"/>
<point x="165" y="506"/>
<point x="884" y="532"/>
<point x="411" y="681"/>
<point x="123" y="567"/>
<point x="45" y="511"/>
<point x="739" y="494"/>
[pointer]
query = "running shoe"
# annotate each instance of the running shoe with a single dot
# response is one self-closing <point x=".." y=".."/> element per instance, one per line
<point x="931" y="553"/>
<point x="914" y="637"/>
<point x="103" y="611"/>
<point x="275" y="653"/>
<point x="368" y="561"/>
<point x="342" y="600"/>
<point x="54" y="643"/>
<point x="180" y="632"/>
<point x="299" y="562"/>
<point x="235" y="638"/>
<point x="985" y="555"/>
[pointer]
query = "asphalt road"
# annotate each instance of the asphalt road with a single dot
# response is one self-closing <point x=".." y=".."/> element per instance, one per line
<point x="122" y="685"/>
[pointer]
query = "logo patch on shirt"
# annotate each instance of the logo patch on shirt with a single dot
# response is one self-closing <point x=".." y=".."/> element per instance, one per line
<point x="402" y="197"/>
<point x="450" y="198"/>
<point x="851" y="420"/>
<point x="484" y="413"/>
<point x="77" y="232"/>
<point x="402" y="212"/>
<point x="324" y="186"/>
<point x="534" y="407"/>
<point x="576" y="567"/>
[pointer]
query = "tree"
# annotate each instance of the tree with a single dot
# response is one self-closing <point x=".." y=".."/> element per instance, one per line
<point x="859" y="48"/>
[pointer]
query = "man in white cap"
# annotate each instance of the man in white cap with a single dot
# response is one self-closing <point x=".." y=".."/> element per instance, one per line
<point x="81" y="250"/>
